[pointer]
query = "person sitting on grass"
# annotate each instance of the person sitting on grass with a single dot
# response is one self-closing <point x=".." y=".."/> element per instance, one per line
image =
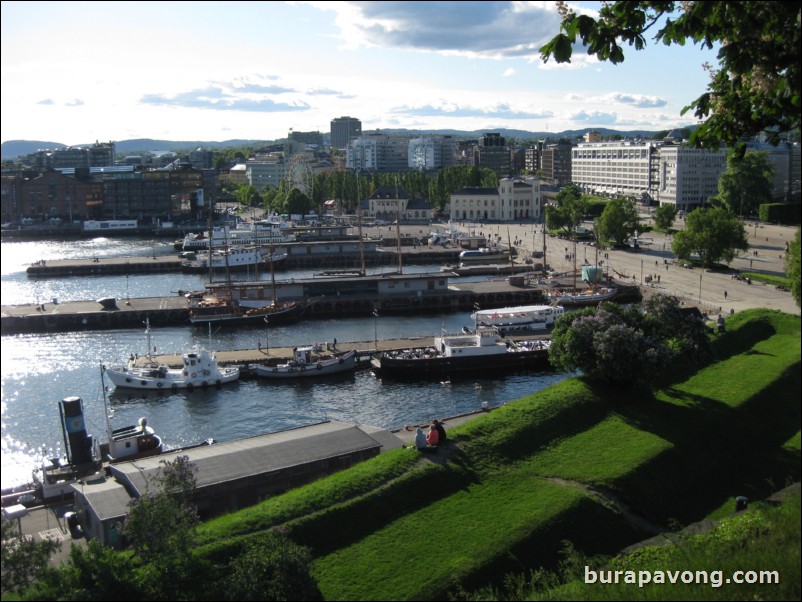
<point x="441" y="432"/>
<point x="421" y="443"/>
<point x="433" y="438"/>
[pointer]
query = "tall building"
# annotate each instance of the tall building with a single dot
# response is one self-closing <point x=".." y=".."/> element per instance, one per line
<point x="555" y="163"/>
<point x="343" y="130"/>
<point x="492" y="153"/>
<point x="430" y="153"/>
<point x="384" y="153"/>
<point x="532" y="157"/>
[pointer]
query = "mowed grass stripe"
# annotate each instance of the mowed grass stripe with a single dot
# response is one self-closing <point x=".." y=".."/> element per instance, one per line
<point x="445" y="541"/>
<point x="610" y="450"/>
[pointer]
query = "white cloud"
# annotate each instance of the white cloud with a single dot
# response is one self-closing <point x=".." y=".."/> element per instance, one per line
<point x="508" y="72"/>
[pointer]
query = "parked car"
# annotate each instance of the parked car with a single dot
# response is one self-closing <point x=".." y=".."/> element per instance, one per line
<point x="74" y="525"/>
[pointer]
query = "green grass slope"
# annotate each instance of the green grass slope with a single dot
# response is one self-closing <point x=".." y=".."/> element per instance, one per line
<point x="593" y="466"/>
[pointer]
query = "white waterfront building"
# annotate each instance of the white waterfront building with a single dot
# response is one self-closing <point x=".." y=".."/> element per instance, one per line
<point x="514" y="199"/>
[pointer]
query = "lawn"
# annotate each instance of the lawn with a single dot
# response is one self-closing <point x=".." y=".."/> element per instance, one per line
<point x="515" y="483"/>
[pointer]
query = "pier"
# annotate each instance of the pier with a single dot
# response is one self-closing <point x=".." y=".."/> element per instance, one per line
<point x="314" y="255"/>
<point x="66" y="316"/>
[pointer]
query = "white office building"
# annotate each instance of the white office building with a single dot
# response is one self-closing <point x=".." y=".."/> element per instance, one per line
<point x="688" y="176"/>
<point x="617" y="168"/>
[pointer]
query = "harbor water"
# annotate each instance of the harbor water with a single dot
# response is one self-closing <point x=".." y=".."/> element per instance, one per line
<point x="40" y="369"/>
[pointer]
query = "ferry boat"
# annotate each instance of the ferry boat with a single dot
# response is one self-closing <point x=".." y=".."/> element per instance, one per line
<point x="525" y="318"/>
<point x="237" y="258"/>
<point x="479" y="353"/>
<point x="262" y="232"/>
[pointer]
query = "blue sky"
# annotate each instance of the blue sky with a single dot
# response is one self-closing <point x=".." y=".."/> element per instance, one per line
<point x="76" y="72"/>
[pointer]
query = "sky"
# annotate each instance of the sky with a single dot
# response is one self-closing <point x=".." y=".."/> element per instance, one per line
<point x="80" y="72"/>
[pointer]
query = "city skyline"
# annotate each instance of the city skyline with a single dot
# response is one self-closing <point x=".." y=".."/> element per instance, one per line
<point x="73" y="72"/>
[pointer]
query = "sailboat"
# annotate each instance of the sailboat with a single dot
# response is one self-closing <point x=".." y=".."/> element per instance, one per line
<point x="593" y="295"/>
<point x="227" y="311"/>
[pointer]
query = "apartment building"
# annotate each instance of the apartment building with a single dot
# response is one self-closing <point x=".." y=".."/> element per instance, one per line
<point x="343" y="130"/>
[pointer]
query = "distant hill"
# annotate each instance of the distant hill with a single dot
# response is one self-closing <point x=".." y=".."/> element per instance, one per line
<point x="12" y="149"/>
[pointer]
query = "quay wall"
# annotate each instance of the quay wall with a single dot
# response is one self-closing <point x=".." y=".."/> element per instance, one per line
<point x="300" y="257"/>
<point x="172" y="311"/>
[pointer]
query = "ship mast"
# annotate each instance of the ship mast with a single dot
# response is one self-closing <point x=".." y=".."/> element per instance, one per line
<point x="359" y="224"/>
<point x="544" y="247"/>
<point x="398" y="229"/>
<point x="509" y="246"/>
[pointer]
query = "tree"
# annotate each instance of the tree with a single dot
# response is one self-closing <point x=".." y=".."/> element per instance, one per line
<point x="608" y="344"/>
<point x="274" y="568"/>
<point x="297" y="202"/>
<point x="746" y="184"/>
<point x="618" y="222"/>
<point x="94" y="572"/>
<point x="684" y="334"/>
<point x="755" y="87"/>
<point x="568" y="211"/>
<point x="713" y="234"/>
<point x="23" y="558"/>
<point x="627" y="345"/>
<point x="160" y="522"/>
<point x="249" y="196"/>
<point x="664" y="217"/>
<point x="792" y="269"/>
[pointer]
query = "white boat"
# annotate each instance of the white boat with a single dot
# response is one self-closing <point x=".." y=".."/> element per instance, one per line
<point x="233" y="258"/>
<point x="199" y="369"/>
<point x="263" y="232"/>
<point x="525" y="318"/>
<point x="483" y="255"/>
<point x="579" y="298"/>
<point x="309" y="362"/>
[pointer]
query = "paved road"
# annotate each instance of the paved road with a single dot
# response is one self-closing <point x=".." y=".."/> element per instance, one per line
<point x="696" y="286"/>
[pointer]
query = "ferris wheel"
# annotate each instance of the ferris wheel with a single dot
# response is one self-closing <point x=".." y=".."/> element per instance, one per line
<point x="299" y="175"/>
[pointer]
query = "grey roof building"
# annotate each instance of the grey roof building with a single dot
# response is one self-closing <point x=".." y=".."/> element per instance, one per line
<point x="231" y="475"/>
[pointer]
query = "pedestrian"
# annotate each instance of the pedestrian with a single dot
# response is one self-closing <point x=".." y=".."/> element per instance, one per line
<point x="725" y="294"/>
<point x="334" y="344"/>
